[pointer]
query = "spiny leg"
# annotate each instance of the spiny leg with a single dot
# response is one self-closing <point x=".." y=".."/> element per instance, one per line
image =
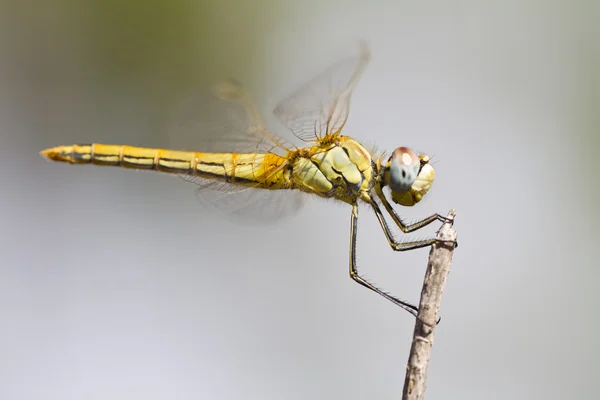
<point x="397" y="246"/>
<point x="359" y="279"/>
<point x="403" y="227"/>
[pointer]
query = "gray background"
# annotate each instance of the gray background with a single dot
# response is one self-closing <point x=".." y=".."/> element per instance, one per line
<point x="118" y="284"/>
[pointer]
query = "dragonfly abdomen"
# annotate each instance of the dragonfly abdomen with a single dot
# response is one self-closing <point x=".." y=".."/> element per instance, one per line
<point x="260" y="170"/>
<point x="163" y="160"/>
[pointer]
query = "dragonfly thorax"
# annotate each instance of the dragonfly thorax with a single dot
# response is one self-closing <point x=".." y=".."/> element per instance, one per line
<point x="340" y="170"/>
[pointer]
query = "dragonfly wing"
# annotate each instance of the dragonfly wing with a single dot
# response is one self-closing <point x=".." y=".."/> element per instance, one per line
<point x="222" y="119"/>
<point x="225" y="119"/>
<point x="322" y="105"/>
<point x="247" y="204"/>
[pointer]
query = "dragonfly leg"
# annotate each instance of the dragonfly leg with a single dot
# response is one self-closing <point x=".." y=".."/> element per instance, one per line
<point x="411" y="308"/>
<point x="403" y="226"/>
<point x="404" y="246"/>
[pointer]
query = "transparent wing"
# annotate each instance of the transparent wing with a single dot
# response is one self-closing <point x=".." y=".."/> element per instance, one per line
<point x="247" y="205"/>
<point x="225" y="119"/>
<point x="321" y="106"/>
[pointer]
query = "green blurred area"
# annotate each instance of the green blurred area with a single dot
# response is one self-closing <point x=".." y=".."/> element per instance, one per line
<point x="177" y="40"/>
<point x="127" y="60"/>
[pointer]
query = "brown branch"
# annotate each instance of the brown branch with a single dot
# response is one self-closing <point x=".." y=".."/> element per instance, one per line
<point x="438" y="268"/>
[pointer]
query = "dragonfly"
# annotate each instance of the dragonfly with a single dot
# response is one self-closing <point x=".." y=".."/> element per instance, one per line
<point x="250" y="158"/>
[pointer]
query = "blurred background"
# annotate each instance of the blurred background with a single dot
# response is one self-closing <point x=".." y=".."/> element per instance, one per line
<point x="119" y="284"/>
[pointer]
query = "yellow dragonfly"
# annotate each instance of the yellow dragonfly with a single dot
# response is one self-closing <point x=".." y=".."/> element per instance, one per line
<point x="329" y="164"/>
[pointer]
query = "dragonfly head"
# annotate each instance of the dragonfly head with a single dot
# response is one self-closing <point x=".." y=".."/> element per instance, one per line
<point x="408" y="175"/>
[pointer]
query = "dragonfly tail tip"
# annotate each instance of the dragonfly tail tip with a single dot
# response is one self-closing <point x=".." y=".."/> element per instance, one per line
<point x="54" y="154"/>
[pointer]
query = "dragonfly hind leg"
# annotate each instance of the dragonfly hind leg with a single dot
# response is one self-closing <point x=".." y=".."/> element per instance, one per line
<point x="411" y="308"/>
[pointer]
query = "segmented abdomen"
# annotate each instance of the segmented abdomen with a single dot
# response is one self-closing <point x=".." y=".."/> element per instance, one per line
<point x="253" y="169"/>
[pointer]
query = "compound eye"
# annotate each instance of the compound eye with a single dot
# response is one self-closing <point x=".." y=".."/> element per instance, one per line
<point x="404" y="166"/>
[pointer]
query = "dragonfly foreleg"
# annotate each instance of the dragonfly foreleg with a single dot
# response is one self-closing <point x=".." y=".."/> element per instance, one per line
<point x="411" y="308"/>
<point x="403" y="246"/>
<point x="397" y="246"/>
<point x="403" y="226"/>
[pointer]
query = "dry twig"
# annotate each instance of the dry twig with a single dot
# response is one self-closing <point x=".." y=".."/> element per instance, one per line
<point x="438" y="268"/>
